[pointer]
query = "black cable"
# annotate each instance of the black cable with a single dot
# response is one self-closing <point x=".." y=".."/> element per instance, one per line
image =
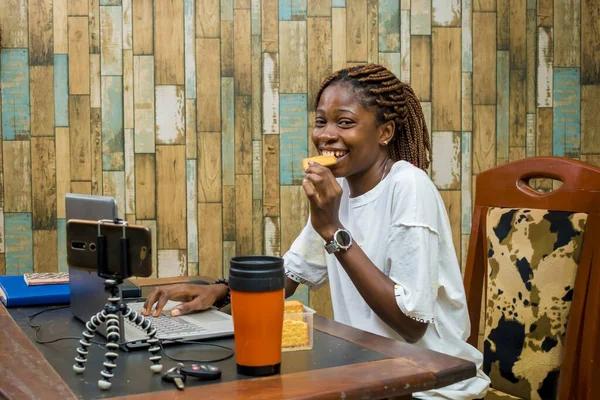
<point x="228" y="356"/>
<point x="38" y="327"/>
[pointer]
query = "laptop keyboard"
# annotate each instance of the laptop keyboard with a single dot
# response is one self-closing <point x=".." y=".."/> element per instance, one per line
<point x="168" y="327"/>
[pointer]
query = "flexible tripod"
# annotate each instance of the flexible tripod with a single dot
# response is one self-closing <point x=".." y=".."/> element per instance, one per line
<point x="110" y="315"/>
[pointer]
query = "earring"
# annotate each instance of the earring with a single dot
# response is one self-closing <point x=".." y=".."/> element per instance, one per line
<point x="385" y="143"/>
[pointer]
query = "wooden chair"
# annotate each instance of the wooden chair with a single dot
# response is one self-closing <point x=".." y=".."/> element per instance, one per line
<point x="538" y="257"/>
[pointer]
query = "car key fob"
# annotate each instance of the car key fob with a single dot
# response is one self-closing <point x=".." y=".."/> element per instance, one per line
<point x="174" y="375"/>
<point x="204" y="372"/>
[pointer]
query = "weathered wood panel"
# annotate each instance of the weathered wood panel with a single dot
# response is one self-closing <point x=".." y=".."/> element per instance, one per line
<point x="171" y="197"/>
<point x="168" y="53"/>
<point x="446" y="55"/>
<point x="17" y="176"/>
<point x="43" y="183"/>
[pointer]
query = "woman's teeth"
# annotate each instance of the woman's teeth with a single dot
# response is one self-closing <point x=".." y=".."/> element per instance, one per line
<point x="336" y="153"/>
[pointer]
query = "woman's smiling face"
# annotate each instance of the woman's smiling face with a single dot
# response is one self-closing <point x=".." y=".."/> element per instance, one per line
<point x="349" y="131"/>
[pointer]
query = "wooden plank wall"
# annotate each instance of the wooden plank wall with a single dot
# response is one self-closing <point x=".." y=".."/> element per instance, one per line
<point x="195" y="114"/>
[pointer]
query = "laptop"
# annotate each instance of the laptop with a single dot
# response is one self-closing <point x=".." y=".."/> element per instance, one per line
<point x="88" y="296"/>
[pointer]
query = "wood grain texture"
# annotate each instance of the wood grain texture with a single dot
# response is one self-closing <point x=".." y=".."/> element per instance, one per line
<point x="209" y="167"/>
<point x="243" y="214"/>
<point x="61" y="90"/>
<point x="145" y="186"/>
<point x="171" y="262"/>
<point x="229" y="212"/>
<point x="168" y="54"/>
<point x="446" y="55"/>
<point x="484" y="138"/>
<point x="567" y="26"/>
<point x="228" y="253"/>
<point x="82" y="187"/>
<point x="94" y="28"/>
<point x="243" y="135"/>
<point x="191" y="135"/>
<point x="484" y="58"/>
<point x="17" y="176"/>
<point x="545" y="13"/>
<point x="372" y="31"/>
<point x="14" y="77"/>
<point x="293" y="56"/>
<point x="389" y="26"/>
<point x="257" y="171"/>
<point x="319" y="52"/>
<point x="269" y="33"/>
<point x="446" y="13"/>
<point x="207" y="18"/>
<point x="111" y="41"/>
<point x="41" y="33"/>
<point x="129" y="174"/>
<point x="503" y="105"/>
<point x="484" y="5"/>
<point x="590" y="42"/>
<point x="18" y="243"/>
<point x="171" y="198"/>
<point x="112" y="123"/>
<point x="143" y="27"/>
<point x="503" y="17"/>
<point x="544" y="131"/>
<point x="210" y="240"/>
<point x="78" y="7"/>
<point x="226" y="48"/>
<point x="42" y="100"/>
<point x="531" y="61"/>
<point x="95" y="87"/>
<point x="405" y="59"/>
<point x="257" y="228"/>
<point x="518" y="107"/>
<point x="241" y="52"/>
<point x="79" y="122"/>
<point x="518" y="34"/>
<point x="208" y="85"/>
<point x="128" y="87"/>
<point x="270" y="176"/>
<point x="43" y="183"/>
<point x="272" y="236"/>
<point x="63" y="170"/>
<point x="79" y="57"/>
<point x="420" y="59"/>
<point x="45" y="252"/>
<point x="228" y="155"/>
<point x="467" y="101"/>
<point x="59" y="26"/>
<point x="420" y="17"/>
<point x="14" y="22"/>
<point x="143" y="87"/>
<point x="113" y="185"/>
<point x="192" y="213"/>
<point x="545" y="60"/>
<point x="590" y="118"/>
<point x="356" y="38"/>
<point x="566" y="134"/>
<point x="256" y="89"/>
<point x="293" y="139"/>
<point x="338" y="38"/>
<point x="466" y="170"/>
<point x="96" y="149"/>
<point x="294" y="214"/>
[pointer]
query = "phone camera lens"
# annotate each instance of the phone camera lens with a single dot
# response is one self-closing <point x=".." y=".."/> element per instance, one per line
<point x="92" y="246"/>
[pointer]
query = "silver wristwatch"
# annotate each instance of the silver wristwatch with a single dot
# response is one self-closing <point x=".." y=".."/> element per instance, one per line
<point x="342" y="240"/>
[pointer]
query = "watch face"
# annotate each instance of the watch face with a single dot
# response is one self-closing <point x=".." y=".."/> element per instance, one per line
<point x="343" y="237"/>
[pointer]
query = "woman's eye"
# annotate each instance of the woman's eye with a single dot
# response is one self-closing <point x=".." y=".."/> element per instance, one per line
<point x="345" y="122"/>
<point x="319" y="122"/>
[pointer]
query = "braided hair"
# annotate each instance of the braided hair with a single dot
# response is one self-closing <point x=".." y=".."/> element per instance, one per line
<point x="396" y="101"/>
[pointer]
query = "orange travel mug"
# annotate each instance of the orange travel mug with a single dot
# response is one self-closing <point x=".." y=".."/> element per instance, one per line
<point x="257" y="285"/>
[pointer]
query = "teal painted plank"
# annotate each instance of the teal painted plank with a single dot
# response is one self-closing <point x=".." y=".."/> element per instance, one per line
<point x="389" y="26"/>
<point x="192" y="213"/>
<point x="14" y="79"/>
<point x="338" y="3"/>
<point x="226" y="10"/>
<point x="19" y="243"/>
<point x="227" y="131"/>
<point x="566" y="133"/>
<point x="293" y="141"/>
<point x="61" y="90"/>
<point x="113" y="140"/>
<point x="502" y="104"/>
<point x="292" y="10"/>
<point x="61" y="244"/>
<point x="393" y="62"/>
<point x="190" y="49"/>
<point x="467" y="36"/>
<point x="466" y="189"/>
<point x="301" y="294"/>
<point x="420" y="17"/>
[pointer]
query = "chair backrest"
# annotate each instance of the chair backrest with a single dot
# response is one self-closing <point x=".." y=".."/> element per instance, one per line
<point x="533" y="254"/>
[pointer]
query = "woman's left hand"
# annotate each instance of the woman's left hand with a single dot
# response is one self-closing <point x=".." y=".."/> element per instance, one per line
<point x="324" y="194"/>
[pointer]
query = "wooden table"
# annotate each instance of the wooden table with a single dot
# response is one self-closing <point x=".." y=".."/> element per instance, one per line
<point x="26" y="374"/>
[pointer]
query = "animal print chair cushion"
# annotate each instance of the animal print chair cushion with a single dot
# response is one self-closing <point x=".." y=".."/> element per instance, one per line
<point x="532" y="262"/>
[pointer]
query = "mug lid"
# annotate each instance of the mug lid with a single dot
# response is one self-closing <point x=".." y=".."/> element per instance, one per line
<point x="256" y="273"/>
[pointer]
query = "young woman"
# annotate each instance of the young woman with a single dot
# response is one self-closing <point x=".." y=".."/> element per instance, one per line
<point x="378" y="229"/>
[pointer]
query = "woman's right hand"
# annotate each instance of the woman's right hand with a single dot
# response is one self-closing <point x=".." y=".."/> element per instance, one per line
<point x="193" y="298"/>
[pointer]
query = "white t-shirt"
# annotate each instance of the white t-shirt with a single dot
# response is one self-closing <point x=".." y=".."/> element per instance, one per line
<point x="402" y="226"/>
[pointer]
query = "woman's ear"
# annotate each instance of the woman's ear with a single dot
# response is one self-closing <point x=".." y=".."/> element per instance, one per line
<point x="386" y="132"/>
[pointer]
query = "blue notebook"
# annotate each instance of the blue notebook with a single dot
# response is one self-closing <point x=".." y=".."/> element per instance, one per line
<point x="14" y="292"/>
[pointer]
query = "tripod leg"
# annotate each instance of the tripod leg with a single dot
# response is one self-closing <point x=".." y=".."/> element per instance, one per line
<point x="112" y="346"/>
<point x="84" y="343"/>
<point x="154" y="349"/>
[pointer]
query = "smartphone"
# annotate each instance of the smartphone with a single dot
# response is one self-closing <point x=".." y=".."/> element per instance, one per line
<point x="82" y="248"/>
